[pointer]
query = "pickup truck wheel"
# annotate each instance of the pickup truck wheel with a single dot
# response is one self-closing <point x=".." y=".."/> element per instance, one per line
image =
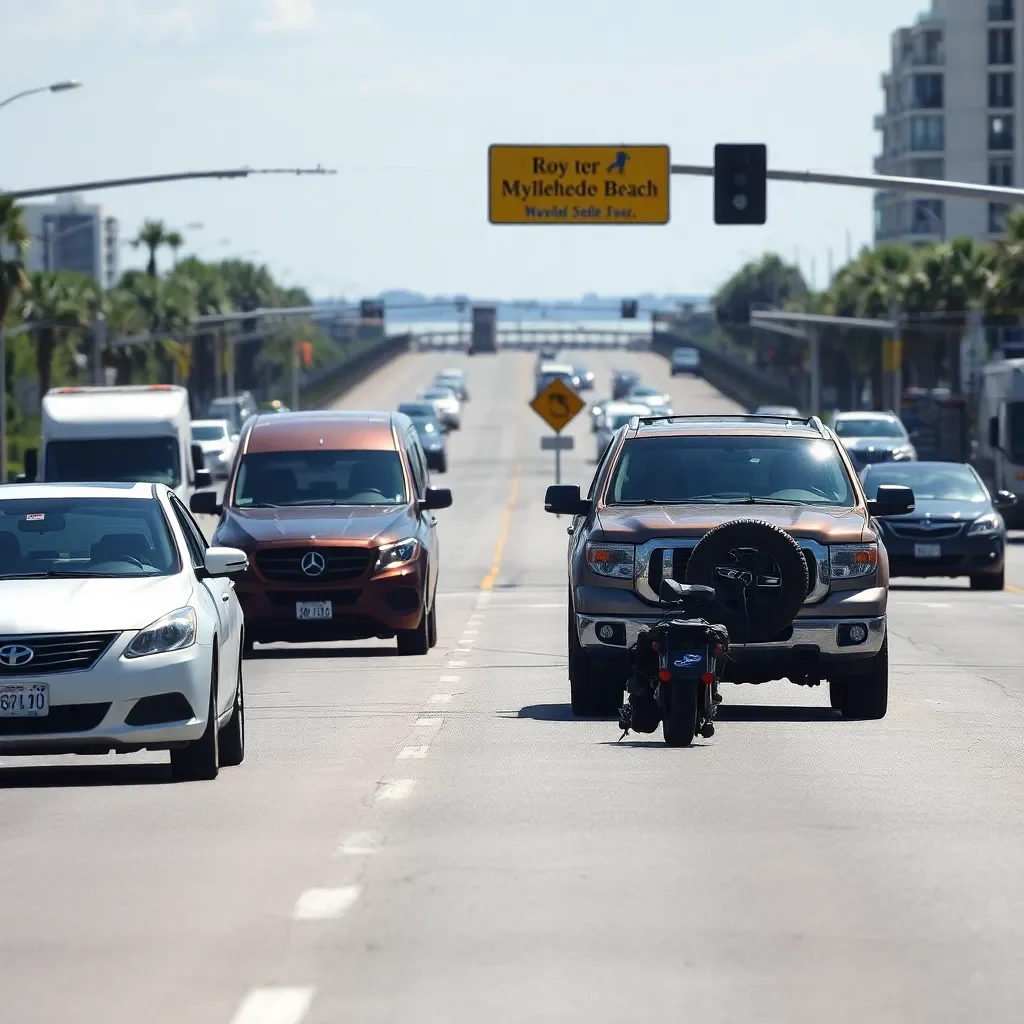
<point x="594" y="691"/>
<point x="866" y="697"/>
<point x="680" y="722"/>
<point x="759" y="575"/>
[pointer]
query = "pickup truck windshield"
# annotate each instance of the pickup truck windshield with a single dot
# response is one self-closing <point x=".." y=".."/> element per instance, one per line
<point x="713" y="470"/>
<point x="152" y="460"/>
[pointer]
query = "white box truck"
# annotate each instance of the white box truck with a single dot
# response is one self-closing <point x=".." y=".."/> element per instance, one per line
<point x="1000" y="453"/>
<point x="119" y="434"/>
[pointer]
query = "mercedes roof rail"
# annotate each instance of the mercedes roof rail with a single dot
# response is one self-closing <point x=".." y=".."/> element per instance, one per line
<point x="811" y="421"/>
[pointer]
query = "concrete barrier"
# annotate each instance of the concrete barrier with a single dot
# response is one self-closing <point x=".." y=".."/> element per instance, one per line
<point x="329" y="383"/>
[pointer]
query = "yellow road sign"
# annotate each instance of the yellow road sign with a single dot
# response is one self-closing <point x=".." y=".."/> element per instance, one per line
<point x="579" y="184"/>
<point x="557" y="404"/>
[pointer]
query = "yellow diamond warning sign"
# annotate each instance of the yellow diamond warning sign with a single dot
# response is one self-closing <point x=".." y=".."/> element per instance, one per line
<point x="579" y="184"/>
<point x="557" y="404"/>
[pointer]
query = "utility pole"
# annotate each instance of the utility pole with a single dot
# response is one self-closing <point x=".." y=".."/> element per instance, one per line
<point x="892" y="363"/>
<point x="99" y="342"/>
<point x="814" y="340"/>
<point x="295" y="373"/>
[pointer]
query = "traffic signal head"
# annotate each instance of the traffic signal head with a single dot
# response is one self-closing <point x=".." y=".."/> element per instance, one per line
<point x="629" y="309"/>
<point x="370" y="309"/>
<point x="741" y="184"/>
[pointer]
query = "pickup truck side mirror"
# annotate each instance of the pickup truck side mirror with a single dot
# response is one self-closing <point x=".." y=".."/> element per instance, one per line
<point x="31" y="465"/>
<point x="993" y="432"/>
<point x="205" y="503"/>
<point x="892" y="500"/>
<point x="565" y="500"/>
<point x="436" y="497"/>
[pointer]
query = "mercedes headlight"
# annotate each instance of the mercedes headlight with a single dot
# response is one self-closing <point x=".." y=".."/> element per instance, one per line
<point x="173" y="632"/>
<point x="984" y="526"/>
<point x="852" y="561"/>
<point x="398" y="553"/>
<point x="615" y="560"/>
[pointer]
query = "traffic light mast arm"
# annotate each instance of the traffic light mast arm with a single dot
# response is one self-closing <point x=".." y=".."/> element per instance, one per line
<point x="880" y="182"/>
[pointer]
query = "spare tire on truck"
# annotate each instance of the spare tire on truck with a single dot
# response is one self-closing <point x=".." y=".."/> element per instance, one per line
<point x="759" y="576"/>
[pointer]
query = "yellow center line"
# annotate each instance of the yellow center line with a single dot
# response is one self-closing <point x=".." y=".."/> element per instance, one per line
<point x="499" y="548"/>
<point x="1014" y="590"/>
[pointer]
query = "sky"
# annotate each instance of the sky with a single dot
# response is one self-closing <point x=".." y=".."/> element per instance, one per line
<point x="403" y="99"/>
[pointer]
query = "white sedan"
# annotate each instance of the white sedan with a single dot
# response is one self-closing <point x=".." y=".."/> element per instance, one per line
<point x="119" y="628"/>
<point x="446" y="402"/>
<point x="218" y="445"/>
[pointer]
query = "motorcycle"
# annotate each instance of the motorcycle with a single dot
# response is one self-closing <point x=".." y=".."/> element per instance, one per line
<point x="677" y="665"/>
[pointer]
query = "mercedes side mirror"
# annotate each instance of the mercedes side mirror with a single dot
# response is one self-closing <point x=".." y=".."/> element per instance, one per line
<point x="1005" y="499"/>
<point x="205" y="503"/>
<point x="892" y="500"/>
<point x="565" y="500"/>
<point x="225" y="561"/>
<point x="435" y="498"/>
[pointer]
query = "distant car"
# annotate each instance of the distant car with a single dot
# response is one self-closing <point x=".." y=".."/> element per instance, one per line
<point x="215" y="438"/>
<point x="956" y="528"/>
<point x="122" y="631"/>
<point x="597" y="413"/>
<point x="871" y="437"/>
<point x="655" y="399"/>
<point x="549" y="372"/>
<point x="685" y="360"/>
<point x="446" y="403"/>
<point x="616" y="415"/>
<point x="623" y="381"/>
<point x="585" y="375"/>
<point x="547" y="354"/>
<point x="456" y="380"/>
<point x="431" y="433"/>
<point x="236" y="409"/>
<point x="786" y="411"/>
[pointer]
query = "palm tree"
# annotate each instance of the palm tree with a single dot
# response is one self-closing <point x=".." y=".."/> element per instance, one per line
<point x="152" y="235"/>
<point x="174" y="242"/>
<point x="59" y="307"/>
<point x="14" y="235"/>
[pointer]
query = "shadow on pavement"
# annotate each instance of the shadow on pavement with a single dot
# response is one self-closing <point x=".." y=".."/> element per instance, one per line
<point x="557" y="713"/>
<point x="930" y="588"/>
<point x="278" y="653"/>
<point x="782" y="713"/>
<point x="69" y="776"/>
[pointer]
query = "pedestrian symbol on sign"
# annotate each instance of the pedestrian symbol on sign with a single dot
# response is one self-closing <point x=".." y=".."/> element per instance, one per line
<point x="619" y="163"/>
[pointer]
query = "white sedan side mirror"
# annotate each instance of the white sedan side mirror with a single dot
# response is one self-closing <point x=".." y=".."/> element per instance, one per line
<point x="225" y="561"/>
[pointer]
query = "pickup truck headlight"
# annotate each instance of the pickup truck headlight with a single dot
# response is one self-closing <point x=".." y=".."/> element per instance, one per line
<point x="173" y="632"/>
<point x="984" y="526"/>
<point x="612" y="560"/>
<point x="399" y="553"/>
<point x="853" y="561"/>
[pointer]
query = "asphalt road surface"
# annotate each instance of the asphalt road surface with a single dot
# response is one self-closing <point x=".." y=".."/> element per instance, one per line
<point x="437" y="840"/>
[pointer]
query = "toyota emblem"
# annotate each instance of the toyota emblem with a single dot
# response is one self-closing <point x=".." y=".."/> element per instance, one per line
<point x="16" y="655"/>
<point x="312" y="564"/>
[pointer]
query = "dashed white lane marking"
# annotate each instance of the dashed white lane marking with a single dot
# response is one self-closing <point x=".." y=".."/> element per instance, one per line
<point x="395" y="789"/>
<point x="359" y="844"/>
<point x="448" y="679"/>
<point x="428" y="723"/>
<point x="441" y="698"/>
<point x="458" y="650"/>
<point x="456" y="664"/>
<point x="325" y="904"/>
<point x="484" y="599"/>
<point x="274" y="1006"/>
<point x="416" y="752"/>
<point x="468" y="632"/>
<point x="467" y="640"/>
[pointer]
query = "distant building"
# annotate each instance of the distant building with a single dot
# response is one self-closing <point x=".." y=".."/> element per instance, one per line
<point x="70" y="234"/>
<point x="951" y="96"/>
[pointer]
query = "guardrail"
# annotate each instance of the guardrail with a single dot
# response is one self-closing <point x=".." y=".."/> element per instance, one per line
<point x="331" y="382"/>
<point x="734" y="378"/>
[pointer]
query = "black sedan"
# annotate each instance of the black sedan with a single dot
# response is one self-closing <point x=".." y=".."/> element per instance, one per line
<point x="956" y="528"/>
<point x="424" y="419"/>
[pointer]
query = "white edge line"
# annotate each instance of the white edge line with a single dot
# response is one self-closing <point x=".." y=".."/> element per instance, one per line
<point x="274" y="1006"/>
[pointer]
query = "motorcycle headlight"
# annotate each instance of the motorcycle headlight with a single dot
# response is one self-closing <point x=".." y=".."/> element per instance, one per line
<point x="852" y="561"/>
<point x="984" y="525"/>
<point x="173" y="632"/>
<point x="615" y="560"/>
<point x="398" y="553"/>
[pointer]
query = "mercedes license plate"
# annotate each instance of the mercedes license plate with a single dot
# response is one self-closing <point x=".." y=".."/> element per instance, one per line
<point x="24" y="700"/>
<point x="927" y="550"/>
<point x="306" y="610"/>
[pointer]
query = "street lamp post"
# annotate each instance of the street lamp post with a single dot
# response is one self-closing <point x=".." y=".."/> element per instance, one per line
<point x="63" y="86"/>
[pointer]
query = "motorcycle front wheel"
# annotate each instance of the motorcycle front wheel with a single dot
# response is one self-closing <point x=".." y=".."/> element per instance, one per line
<point x="680" y="722"/>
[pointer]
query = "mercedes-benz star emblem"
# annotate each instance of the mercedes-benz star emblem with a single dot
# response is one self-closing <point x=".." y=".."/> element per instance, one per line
<point x="312" y="564"/>
<point x="16" y="655"/>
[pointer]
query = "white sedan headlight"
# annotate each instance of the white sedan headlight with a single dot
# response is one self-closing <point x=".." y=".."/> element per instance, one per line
<point x="905" y="454"/>
<point x="173" y="632"/>
<point x="984" y="525"/>
<point x="852" y="561"/>
<point x="398" y="553"/>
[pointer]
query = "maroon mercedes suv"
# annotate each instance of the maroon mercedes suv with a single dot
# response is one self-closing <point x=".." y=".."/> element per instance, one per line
<point x="335" y="511"/>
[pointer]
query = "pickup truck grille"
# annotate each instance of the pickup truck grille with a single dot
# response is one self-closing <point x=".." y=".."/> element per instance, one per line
<point x="679" y="557"/>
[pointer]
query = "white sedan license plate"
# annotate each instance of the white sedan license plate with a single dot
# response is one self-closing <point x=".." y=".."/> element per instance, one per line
<point x="927" y="550"/>
<point x="306" y="610"/>
<point x="24" y="700"/>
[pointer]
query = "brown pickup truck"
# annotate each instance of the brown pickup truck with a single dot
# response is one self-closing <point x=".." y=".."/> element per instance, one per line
<point x="663" y="484"/>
